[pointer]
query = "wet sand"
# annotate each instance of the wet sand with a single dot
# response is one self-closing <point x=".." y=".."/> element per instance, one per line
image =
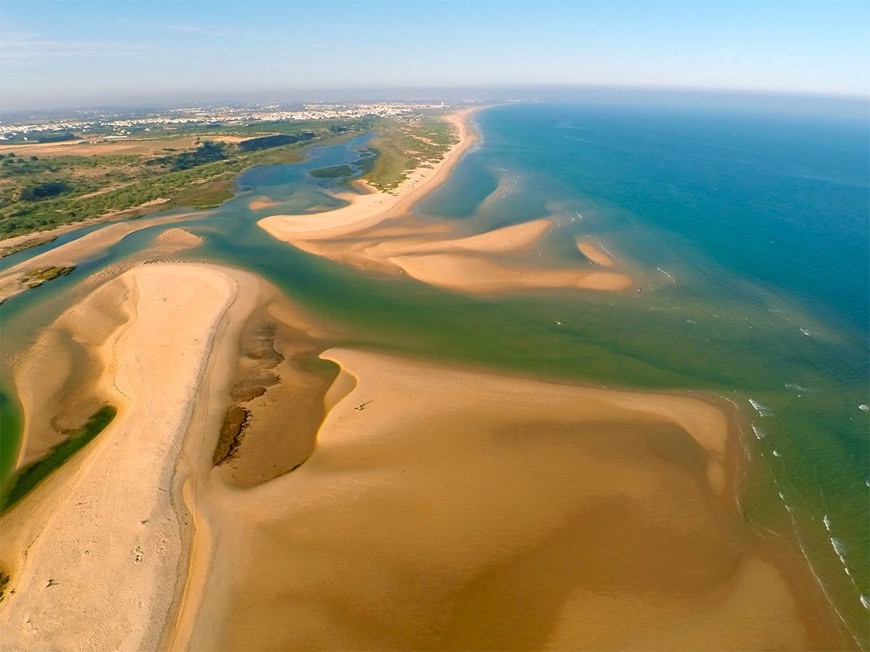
<point x="434" y="508"/>
<point x="453" y="509"/>
<point x="594" y="252"/>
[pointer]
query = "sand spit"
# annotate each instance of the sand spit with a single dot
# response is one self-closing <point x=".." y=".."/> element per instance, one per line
<point x="366" y="210"/>
<point x="74" y="252"/>
<point x="482" y="263"/>
<point x="448" y="509"/>
<point x="94" y="551"/>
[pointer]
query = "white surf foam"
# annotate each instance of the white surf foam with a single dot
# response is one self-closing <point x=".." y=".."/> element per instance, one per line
<point x="761" y="408"/>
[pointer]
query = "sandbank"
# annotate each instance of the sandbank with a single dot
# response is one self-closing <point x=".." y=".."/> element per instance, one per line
<point x="470" y="274"/>
<point x="260" y="203"/>
<point x="76" y="251"/>
<point x="94" y="551"/>
<point x="455" y="509"/>
<point x="594" y="252"/>
<point x="366" y="210"/>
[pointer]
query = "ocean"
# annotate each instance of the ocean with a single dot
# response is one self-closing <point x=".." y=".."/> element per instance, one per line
<point x="747" y="229"/>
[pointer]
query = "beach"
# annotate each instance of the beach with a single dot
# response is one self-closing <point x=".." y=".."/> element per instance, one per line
<point x="14" y="279"/>
<point x="94" y="552"/>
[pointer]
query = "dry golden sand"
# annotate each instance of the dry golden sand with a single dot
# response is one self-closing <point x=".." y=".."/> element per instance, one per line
<point x="95" y="551"/>
<point x="463" y="510"/>
<point x="355" y="235"/>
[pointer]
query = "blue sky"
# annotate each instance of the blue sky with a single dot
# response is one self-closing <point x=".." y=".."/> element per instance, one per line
<point x="76" y="52"/>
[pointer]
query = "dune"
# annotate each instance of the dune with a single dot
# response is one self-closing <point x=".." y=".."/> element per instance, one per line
<point x="94" y="551"/>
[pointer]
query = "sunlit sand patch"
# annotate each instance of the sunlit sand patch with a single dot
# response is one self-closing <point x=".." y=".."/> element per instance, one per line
<point x="70" y="254"/>
<point x="474" y="274"/>
<point x="359" y="235"/>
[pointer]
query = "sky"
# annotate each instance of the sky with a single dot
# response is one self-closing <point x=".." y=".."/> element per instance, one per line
<point x="67" y="53"/>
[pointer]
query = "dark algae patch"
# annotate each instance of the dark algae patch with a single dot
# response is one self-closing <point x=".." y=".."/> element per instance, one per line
<point x="39" y="276"/>
<point x="10" y="429"/>
<point x="32" y="475"/>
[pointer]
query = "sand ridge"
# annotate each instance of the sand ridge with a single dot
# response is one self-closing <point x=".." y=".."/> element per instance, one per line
<point x="594" y="252"/>
<point x="456" y="509"/>
<point x="102" y="537"/>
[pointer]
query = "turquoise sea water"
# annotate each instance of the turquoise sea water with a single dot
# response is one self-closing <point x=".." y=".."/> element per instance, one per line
<point x="750" y="235"/>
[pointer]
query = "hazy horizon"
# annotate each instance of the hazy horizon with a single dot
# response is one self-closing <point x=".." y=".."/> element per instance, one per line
<point x="69" y="54"/>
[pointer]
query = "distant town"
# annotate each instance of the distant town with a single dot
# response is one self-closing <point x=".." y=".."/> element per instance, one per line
<point x="120" y="124"/>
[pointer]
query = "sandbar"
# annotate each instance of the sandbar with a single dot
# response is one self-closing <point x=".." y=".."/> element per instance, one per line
<point x="81" y="249"/>
<point x="94" y="551"/>
<point x="448" y="508"/>
<point x="594" y="252"/>
<point x="438" y="256"/>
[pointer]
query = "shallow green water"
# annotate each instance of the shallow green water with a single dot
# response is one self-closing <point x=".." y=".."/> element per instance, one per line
<point x="750" y="237"/>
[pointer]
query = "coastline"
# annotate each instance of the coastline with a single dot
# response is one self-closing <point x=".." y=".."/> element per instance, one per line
<point x="580" y="482"/>
<point x="496" y="261"/>
<point x="76" y="251"/>
<point x="366" y="210"/>
<point x="215" y="504"/>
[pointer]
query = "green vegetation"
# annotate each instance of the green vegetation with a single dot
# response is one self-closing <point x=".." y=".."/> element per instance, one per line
<point x="267" y="142"/>
<point x="207" y="152"/>
<point x="403" y="146"/>
<point x="39" y="276"/>
<point x="43" y="192"/>
<point x="56" y="188"/>
<point x="32" y="475"/>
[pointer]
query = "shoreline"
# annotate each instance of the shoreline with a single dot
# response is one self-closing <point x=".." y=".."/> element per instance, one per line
<point x="367" y="210"/>
<point x="81" y="249"/>
<point x="539" y="470"/>
<point x="492" y="262"/>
